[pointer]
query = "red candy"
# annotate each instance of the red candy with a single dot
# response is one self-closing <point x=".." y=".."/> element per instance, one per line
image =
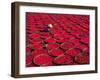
<point x="34" y="36"/>
<point x="30" y="65"/>
<point x="82" y="59"/>
<point x="62" y="59"/>
<point x="50" y="40"/>
<point x="75" y="41"/>
<point x="69" y="36"/>
<point x="82" y="47"/>
<point x="29" y="59"/>
<point x="52" y="46"/>
<point x="42" y="59"/>
<point x="56" y="52"/>
<point x="33" y="41"/>
<point x="38" y="52"/>
<point x="67" y="46"/>
<point x="86" y="50"/>
<point x="73" y="52"/>
<point x="36" y="46"/>
<point x="57" y="36"/>
<point x="27" y="50"/>
<point x="60" y="40"/>
<point x="75" y="33"/>
<point x="85" y="40"/>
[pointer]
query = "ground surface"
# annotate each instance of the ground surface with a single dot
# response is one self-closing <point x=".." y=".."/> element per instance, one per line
<point x="66" y="42"/>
